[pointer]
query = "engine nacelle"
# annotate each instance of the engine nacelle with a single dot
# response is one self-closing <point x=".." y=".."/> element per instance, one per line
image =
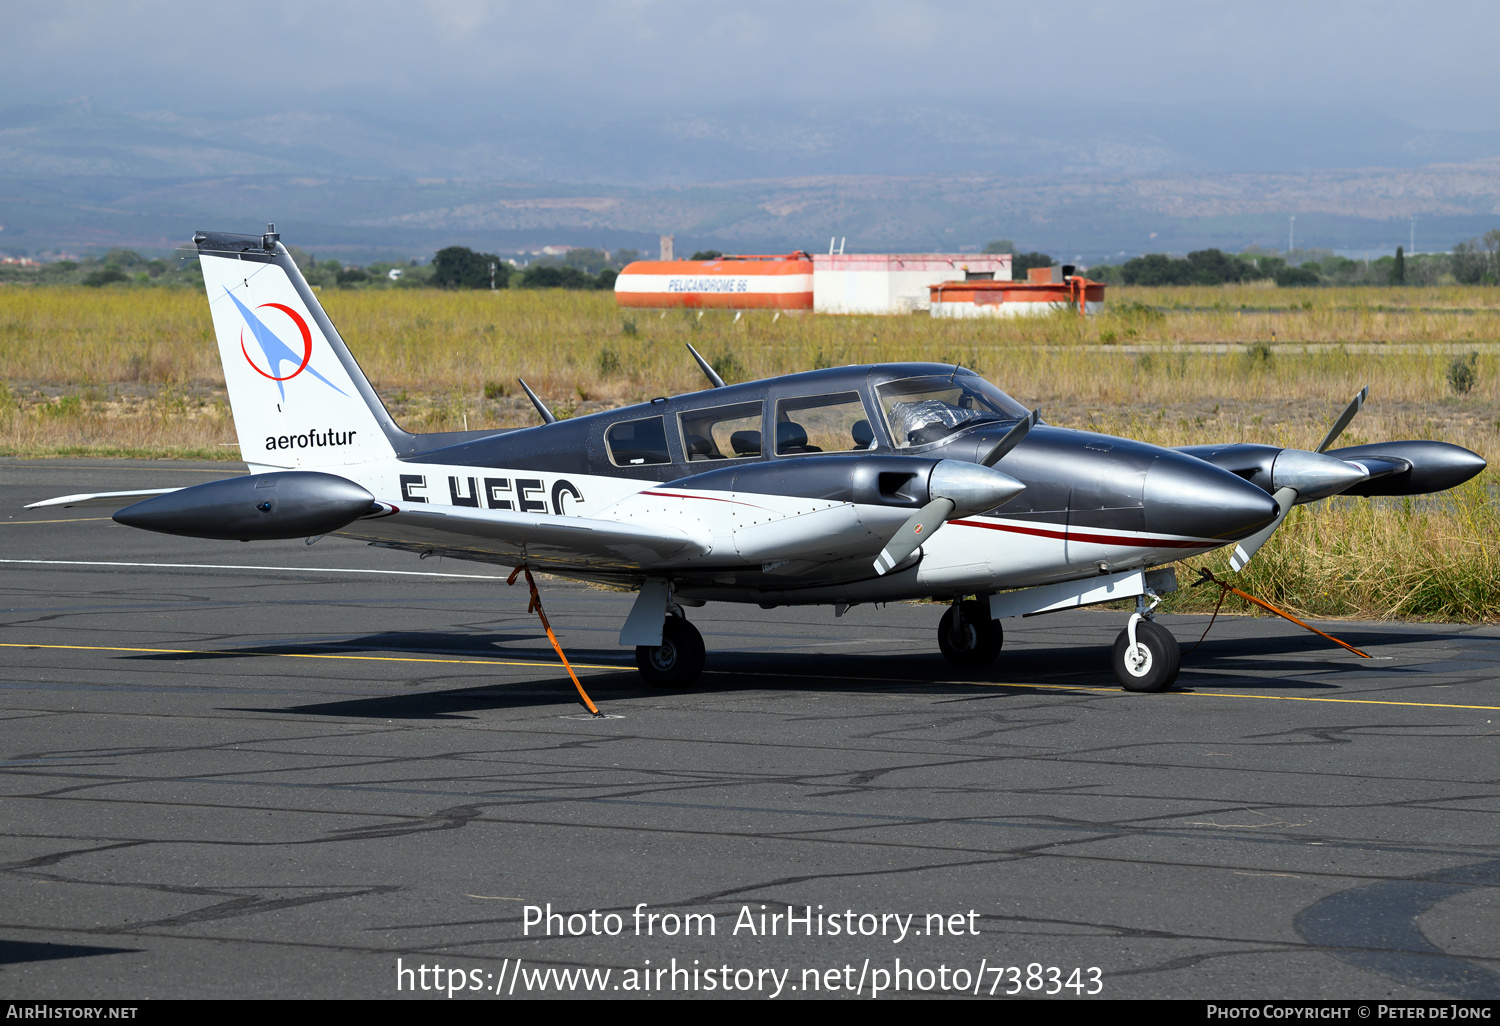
<point x="1435" y="466"/>
<point x="903" y="482"/>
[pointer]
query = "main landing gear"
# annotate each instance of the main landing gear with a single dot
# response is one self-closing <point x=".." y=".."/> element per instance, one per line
<point x="677" y="661"/>
<point x="967" y="635"/>
<point x="1146" y="656"/>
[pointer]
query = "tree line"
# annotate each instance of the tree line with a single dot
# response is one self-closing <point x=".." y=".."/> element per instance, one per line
<point x="1475" y="262"/>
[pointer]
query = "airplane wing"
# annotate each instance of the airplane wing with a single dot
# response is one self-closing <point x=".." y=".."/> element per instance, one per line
<point x="116" y="499"/>
<point x="503" y="536"/>
<point x="562" y="543"/>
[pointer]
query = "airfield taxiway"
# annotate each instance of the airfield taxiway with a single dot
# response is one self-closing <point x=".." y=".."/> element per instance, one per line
<point x="274" y="770"/>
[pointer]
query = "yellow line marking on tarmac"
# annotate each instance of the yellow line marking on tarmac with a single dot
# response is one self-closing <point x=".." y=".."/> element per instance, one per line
<point x="1221" y="694"/>
<point x="623" y="666"/>
<point x="317" y="655"/>
<point x="67" y="520"/>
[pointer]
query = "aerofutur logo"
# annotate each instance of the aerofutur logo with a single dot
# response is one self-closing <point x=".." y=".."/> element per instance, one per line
<point x="276" y="353"/>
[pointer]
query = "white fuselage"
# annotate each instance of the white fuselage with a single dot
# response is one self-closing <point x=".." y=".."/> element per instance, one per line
<point x="755" y="542"/>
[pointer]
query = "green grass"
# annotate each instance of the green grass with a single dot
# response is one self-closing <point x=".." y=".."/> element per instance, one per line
<point x="135" y="373"/>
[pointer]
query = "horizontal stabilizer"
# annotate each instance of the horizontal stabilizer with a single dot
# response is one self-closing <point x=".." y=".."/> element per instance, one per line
<point x="117" y="500"/>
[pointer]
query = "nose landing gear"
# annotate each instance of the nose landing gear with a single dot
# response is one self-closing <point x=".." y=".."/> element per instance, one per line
<point x="967" y="635"/>
<point x="1146" y="656"/>
<point x="677" y="661"/>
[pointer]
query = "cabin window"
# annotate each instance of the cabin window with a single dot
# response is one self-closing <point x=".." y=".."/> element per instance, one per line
<point x="822" y="423"/>
<point x="924" y="410"/>
<point x="722" y="432"/>
<point x="638" y="443"/>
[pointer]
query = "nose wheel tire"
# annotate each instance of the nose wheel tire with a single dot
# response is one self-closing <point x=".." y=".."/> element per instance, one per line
<point x="1153" y="664"/>
<point x="970" y="637"/>
<point x="677" y="661"/>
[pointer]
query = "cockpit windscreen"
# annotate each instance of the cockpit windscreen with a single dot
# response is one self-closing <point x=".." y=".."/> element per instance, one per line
<point x="924" y="410"/>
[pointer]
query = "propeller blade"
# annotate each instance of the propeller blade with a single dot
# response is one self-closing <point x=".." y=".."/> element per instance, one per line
<point x="920" y="526"/>
<point x="1011" y="439"/>
<point x="1248" y="547"/>
<point x="1344" y="419"/>
<point x="708" y="371"/>
<point x="541" y="407"/>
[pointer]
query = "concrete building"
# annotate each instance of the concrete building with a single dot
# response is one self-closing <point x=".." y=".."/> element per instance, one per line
<point x="884" y="283"/>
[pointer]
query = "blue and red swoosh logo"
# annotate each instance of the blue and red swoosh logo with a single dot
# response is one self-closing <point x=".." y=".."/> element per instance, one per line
<point x="276" y="353"/>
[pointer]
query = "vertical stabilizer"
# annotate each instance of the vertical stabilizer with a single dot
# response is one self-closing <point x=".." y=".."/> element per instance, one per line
<point x="298" y="397"/>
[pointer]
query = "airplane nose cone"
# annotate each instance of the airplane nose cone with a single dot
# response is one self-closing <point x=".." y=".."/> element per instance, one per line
<point x="1186" y="496"/>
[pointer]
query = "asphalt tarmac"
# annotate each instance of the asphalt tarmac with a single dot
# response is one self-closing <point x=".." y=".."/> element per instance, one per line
<point x="274" y="770"/>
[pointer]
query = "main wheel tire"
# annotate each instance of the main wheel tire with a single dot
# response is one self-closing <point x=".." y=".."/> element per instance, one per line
<point x="677" y="661"/>
<point x="1154" y="666"/>
<point x="974" y="640"/>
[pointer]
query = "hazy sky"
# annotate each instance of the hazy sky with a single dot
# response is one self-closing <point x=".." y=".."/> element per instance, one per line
<point x="1428" y="63"/>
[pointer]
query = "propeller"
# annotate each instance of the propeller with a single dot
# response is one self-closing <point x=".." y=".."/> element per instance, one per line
<point x="1344" y="419"/>
<point x="1312" y="475"/>
<point x="1247" y="547"/>
<point x="921" y="524"/>
<point x="918" y="528"/>
<point x="1011" y="439"/>
<point x="956" y="489"/>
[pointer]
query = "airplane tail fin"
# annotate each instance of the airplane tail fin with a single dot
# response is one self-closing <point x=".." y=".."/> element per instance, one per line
<point x="299" y="398"/>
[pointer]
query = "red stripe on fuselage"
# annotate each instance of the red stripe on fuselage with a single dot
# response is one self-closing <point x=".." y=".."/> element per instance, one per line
<point x="705" y="498"/>
<point x="1097" y="539"/>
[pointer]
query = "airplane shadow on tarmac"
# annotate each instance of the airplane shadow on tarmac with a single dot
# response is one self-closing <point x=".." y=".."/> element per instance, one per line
<point x="14" y="952"/>
<point x="1279" y="661"/>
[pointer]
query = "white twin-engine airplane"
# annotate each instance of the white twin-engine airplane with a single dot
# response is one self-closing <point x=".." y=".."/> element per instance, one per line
<point x="832" y="487"/>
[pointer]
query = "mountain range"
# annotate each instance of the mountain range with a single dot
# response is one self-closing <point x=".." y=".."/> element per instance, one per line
<point x="1079" y="179"/>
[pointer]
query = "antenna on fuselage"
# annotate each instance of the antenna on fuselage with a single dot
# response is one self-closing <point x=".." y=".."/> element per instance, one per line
<point x="541" y="407"/>
<point x="712" y="375"/>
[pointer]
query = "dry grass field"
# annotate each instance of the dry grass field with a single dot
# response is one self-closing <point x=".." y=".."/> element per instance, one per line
<point x="135" y="372"/>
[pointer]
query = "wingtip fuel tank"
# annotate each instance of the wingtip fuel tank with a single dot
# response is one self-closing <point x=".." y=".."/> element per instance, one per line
<point x="259" y="507"/>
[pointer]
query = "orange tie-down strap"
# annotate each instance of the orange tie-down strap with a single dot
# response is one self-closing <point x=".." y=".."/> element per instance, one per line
<point x="536" y="606"/>
<point x="1206" y="576"/>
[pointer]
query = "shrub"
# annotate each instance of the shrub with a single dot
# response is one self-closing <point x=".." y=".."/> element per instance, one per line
<point x="1291" y="277"/>
<point x="728" y="366"/>
<point x="1135" y="310"/>
<point x="1463" y="373"/>
<point x="106" y="275"/>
